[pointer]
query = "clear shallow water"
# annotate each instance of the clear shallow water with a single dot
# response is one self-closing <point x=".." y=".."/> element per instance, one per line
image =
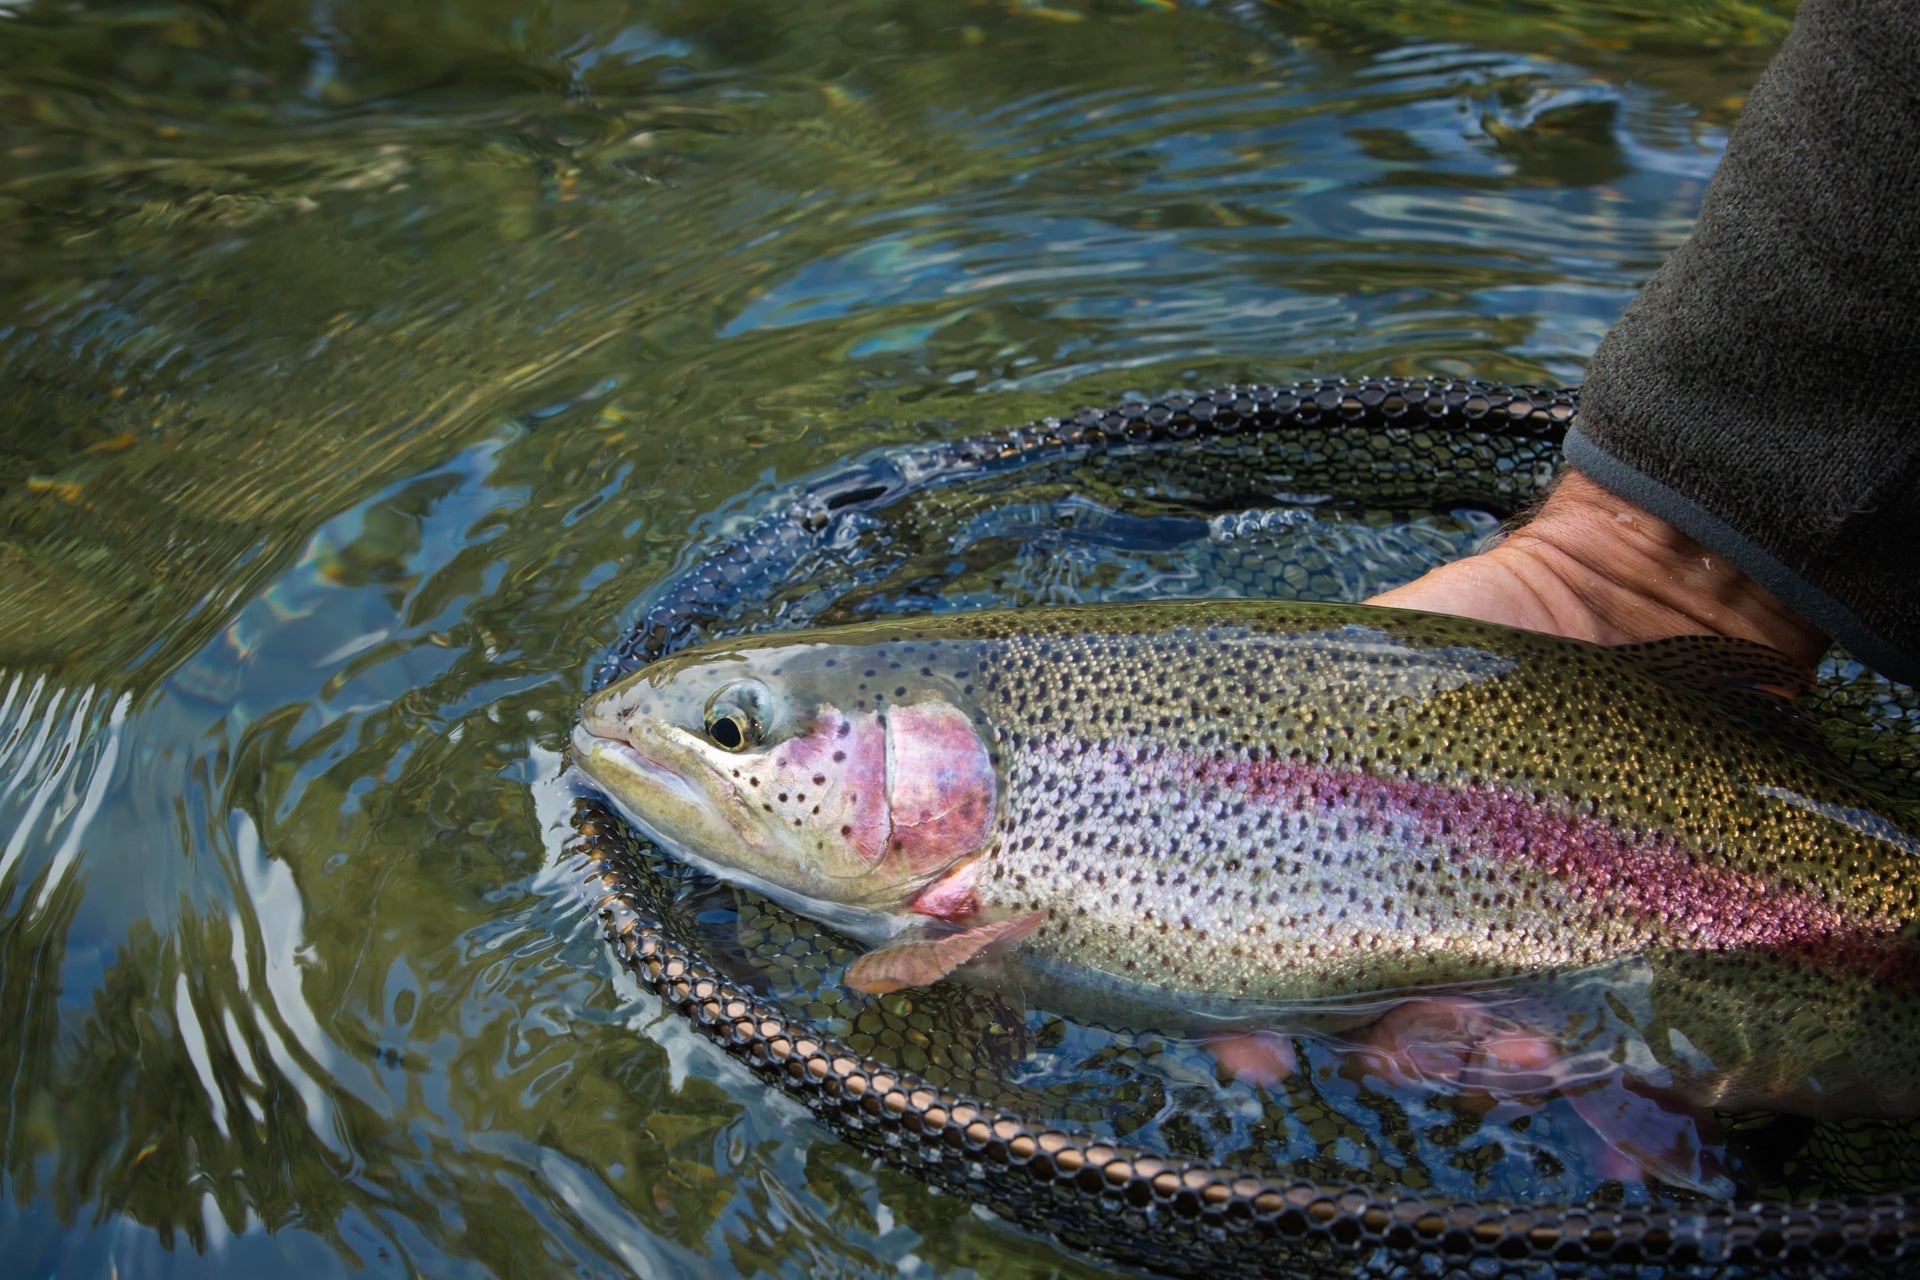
<point x="362" y="365"/>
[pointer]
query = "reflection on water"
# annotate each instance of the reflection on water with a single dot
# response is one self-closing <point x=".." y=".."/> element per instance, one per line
<point x="365" y="361"/>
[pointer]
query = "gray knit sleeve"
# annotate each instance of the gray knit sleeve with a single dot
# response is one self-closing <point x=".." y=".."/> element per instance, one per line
<point x="1762" y="393"/>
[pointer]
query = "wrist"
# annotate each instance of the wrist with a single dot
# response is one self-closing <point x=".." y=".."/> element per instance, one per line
<point x="1607" y="570"/>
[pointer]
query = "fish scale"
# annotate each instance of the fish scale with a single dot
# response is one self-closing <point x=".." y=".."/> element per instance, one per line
<point x="1275" y="801"/>
<point x="1128" y="790"/>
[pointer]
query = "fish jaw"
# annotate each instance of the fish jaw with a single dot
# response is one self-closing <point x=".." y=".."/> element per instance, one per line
<point x="667" y="787"/>
<point x="862" y="807"/>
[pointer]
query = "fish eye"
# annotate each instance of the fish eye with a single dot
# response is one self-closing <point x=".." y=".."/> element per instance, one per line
<point x="729" y="732"/>
<point x="734" y="717"/>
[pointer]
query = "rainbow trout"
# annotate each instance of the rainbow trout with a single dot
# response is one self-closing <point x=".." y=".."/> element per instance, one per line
<point x="1278" y="802"/>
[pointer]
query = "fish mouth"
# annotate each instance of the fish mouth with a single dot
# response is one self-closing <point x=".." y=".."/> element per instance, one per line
<point x="612" y="761"/>
<point x="653" y="783"/>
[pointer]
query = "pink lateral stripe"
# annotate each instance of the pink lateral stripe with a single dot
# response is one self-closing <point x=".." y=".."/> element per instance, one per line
<point x="1601" y="867"/>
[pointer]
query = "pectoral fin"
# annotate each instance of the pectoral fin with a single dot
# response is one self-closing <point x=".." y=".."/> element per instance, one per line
<point x="1659" y="1137"/>
<point x="923" y="962"/>
<point x="1470" y="1048"/>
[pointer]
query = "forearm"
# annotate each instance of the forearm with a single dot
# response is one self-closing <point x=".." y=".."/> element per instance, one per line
<point x="1759" y="395"/>
<point x="1595" y="567"/>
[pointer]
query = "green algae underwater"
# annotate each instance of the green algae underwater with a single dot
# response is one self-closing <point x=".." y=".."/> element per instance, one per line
<point x="364" y="364"/>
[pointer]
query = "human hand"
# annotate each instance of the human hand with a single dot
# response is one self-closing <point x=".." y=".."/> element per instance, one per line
<point x="1594" y="566"/>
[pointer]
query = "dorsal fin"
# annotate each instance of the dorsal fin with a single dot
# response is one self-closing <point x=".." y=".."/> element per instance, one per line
<point x="1748" y="679"/>
<point x="1716" y="663"/>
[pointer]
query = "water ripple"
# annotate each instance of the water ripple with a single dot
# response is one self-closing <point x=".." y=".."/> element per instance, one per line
<point x="370" y="359"/>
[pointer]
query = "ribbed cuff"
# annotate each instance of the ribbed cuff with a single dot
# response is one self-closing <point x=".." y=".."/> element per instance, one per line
<point x="1773" y="575"/>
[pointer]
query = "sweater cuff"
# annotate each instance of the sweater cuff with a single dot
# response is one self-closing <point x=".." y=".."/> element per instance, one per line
<point x="1790" y="588"/>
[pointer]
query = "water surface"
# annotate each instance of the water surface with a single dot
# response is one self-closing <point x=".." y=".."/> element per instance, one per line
<point x="364" y="362"/>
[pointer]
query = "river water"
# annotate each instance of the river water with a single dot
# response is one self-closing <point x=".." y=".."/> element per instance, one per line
<point x="362" y="363"/>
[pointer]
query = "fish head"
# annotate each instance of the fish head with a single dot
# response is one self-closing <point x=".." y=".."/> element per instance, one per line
<point x="835" y="772"/>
